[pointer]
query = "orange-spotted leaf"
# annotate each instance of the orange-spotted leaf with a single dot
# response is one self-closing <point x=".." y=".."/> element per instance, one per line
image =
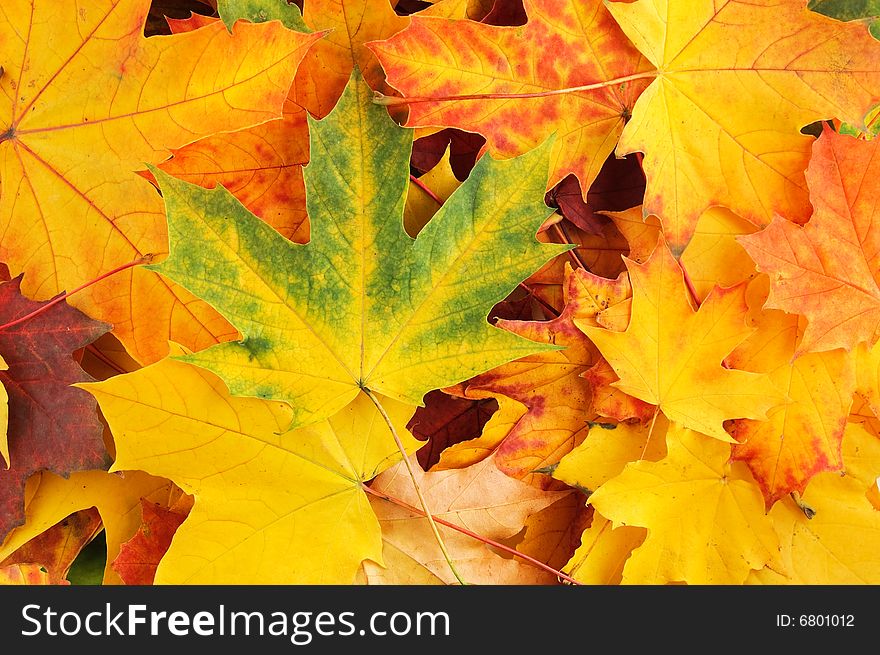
<point x="495" y="431"/>
<point x="550" y="383"/>
<point x="837" y="542"/>
<point x="25" y="574"/>
<point x="57" y="548"/>
<point x="801" y="438"/>
<point x="829" y="270"/>
<point x="436" y="58"/>
<point x="140" y="556"/>
<point x="261" y="166"/>
<point x="736" y="82"/>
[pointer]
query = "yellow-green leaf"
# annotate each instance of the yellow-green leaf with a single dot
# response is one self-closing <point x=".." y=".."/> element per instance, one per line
<point x="362" y="306"/>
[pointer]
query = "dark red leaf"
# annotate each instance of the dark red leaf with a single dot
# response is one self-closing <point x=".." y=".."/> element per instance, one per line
<point x="620" y="185"/>
<point x="464" y="147"/>
<point x="446" y="420"/>
<point x="52" y="425"/>
<point x="506" y="13"/>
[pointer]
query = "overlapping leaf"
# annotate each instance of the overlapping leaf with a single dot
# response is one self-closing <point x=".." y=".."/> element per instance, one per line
<point x="801" y="438"/>
<point x="117" y="496"/>
<point x="671" y="355"/>
<point x="829" y="270"/>
<point x="736" y="82"/>
<point x="327" y="67"/>
<point x="838" y="543"/>
<point x="436" y="57"/>
<point x="325" y="320"/>
<point x="51" y="425"/>
<point x="261" y="492"/>
<point x="479" y="498"/>
<point x="705" y="517"/>
<point x="85" y="100"/>
<point x="57" y="548"/>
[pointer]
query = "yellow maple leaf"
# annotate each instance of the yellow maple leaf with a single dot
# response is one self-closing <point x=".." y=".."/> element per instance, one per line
<point x="607" y="450"/>
<point x="840" y="542"/>
<point x="671" y="355"/>
<point x="603" y="552"/>
<point x="422" y="198"/>
<point x="261" y="493"/>
<point x="704" y="515"/>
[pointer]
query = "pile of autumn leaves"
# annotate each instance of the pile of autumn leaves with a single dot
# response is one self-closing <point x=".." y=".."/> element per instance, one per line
<point x="689" y="393"/>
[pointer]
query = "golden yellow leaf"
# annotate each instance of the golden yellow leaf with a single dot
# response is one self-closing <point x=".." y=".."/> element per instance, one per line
<point x="603" y="552"/>
<point x="671" y="355"/>
<point x="839" y="544"/>
<point x="736" y="81"/>
<point x="271" y="506"/>
<point x="420" y="204"/>
<point x="704" y="515"/>
<point x="607" y="450"/>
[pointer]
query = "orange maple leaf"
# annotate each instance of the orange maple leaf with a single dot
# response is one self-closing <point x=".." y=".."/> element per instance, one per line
<point x="829" y="270"/>
<point x="86" y="100"/>
<point x="555" y="50"/>
<point x="802" y="438"/>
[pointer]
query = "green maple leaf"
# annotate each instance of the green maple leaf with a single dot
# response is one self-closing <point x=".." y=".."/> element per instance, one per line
<point x="260" y="11"/>
<point x="362" y="305"/>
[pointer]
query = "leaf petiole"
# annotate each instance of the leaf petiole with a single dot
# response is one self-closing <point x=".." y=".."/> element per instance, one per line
<point x="412" y="475"/>
<point x="390" y="101"/>
<point x="474" y="535"/>
<point x="146" y="259"/>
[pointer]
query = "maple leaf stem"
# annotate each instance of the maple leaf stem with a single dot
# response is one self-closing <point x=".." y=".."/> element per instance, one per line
<point x="544" y="304"/>
<point x="424" y="187"/>
<point x="66" y="294"/>
<point x="490" y="542"/>
<point x="424" y="503"/>
<point x="382" y="99"/>
<point x="563" y="235"/>
<point x="650" y="432"/>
